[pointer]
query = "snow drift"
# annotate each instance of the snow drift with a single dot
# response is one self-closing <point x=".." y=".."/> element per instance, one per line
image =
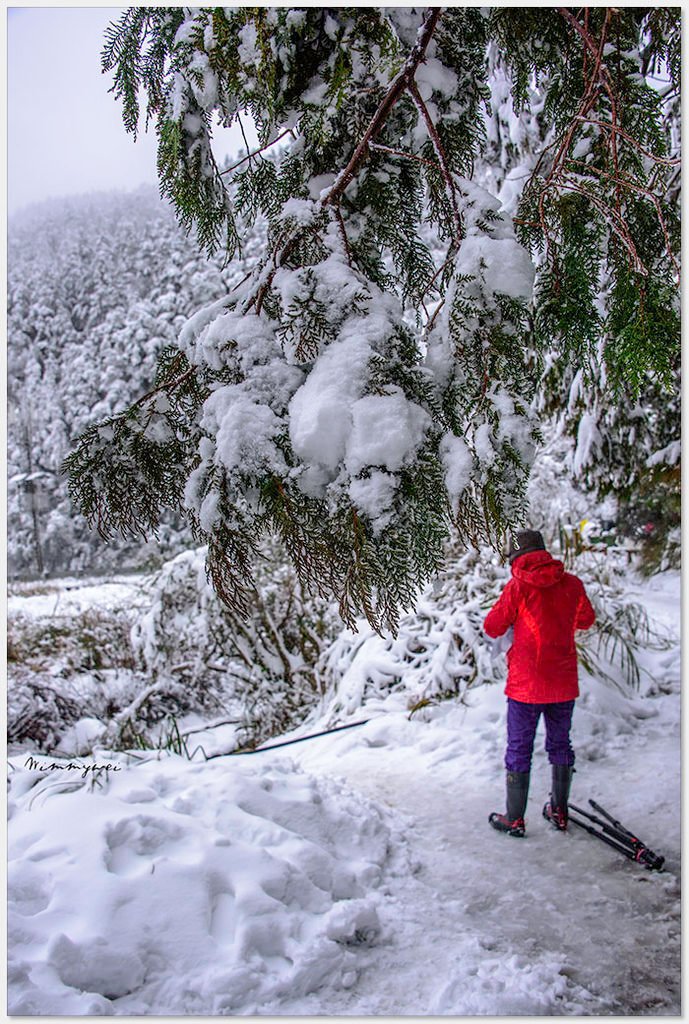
<point x="210" y="888"/>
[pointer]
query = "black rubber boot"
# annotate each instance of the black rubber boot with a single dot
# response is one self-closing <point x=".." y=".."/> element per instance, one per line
<point x="556" y="810"/>
<point x="512" y="822"/>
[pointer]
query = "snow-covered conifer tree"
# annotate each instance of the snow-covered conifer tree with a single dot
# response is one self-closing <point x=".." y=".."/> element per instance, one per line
<point x="361" y="390"/>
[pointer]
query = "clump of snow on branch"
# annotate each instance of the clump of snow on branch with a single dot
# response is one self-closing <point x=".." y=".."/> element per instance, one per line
<point x="339" y="432"/>
<point x="494" y="275"/>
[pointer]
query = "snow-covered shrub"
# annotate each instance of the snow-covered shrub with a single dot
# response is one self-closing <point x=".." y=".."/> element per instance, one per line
<point x="652" y="518"/>
<point x="173" y="651"/>
<point x="38" y="709"/>
<point x="91" y="640"/>
<point x="439" y="651"/>
<point x="267" y="669"/>
<point x="62" y="669"/>
<point x="623" y="627"/>
<point x="73" y="680"/>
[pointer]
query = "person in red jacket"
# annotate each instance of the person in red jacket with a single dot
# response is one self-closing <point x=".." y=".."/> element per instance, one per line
<point x="544" y="605"/>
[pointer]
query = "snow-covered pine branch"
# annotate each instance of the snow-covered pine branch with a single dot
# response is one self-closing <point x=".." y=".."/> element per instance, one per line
<point x="324" y="401"/>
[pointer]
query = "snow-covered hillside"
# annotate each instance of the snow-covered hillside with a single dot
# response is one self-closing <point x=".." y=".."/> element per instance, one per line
<point x="98" y="286"/>
<point x="355" y="873"/>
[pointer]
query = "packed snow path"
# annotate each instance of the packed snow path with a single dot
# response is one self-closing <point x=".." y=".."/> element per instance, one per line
<point x="552" y="924"/>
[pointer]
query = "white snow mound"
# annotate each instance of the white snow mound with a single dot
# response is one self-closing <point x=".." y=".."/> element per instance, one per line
<point x="188" y="889"/>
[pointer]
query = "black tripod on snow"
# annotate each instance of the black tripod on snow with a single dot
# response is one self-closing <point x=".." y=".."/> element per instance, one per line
<point x="616" y="835"/>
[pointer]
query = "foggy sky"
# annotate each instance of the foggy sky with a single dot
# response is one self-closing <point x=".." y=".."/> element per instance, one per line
<point x="65" y="131"/>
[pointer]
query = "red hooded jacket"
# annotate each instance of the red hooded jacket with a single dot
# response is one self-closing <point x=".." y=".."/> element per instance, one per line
<point x="545" y="605"/>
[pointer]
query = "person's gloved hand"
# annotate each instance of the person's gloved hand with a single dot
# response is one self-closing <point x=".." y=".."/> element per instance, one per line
<point x="501" y="644"/>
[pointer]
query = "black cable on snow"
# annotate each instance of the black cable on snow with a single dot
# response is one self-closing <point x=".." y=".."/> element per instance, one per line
<point x="285" y="743"/>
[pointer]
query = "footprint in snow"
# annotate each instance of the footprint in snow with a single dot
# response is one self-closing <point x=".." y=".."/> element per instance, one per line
<point x="223" y="918"/>
<point x="143" y="795"/>
<point x="27" y="891"/>
<point x="131" y="841"/>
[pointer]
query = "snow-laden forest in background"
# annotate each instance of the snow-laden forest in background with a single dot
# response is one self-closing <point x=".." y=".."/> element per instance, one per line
<point x="196" y="872"/>
<point x="98" y="286"/>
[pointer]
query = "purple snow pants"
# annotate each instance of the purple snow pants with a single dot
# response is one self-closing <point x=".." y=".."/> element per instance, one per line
<point x="522" y="720"/>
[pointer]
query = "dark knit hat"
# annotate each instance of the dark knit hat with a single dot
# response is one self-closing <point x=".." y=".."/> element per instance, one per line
<point x="524" y="542"/>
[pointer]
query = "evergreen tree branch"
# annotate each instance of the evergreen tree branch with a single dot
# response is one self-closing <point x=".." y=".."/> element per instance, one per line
<point x="596" y="51"/>
<point x="599" y="83"/>
<point x="246" y="141"/>
<point x="647" y="193"/>
<point x="343" y="233"/>
<point x="437" y="274"/>
<point x="442" y="160"/>
<point x="243" y="445"/>
<point x="407" y="156"/>
<point x="617" y="222"/>
<point x="170" y="384"/>
<point x="397" y="87"/>
<point x="616" y="129"/>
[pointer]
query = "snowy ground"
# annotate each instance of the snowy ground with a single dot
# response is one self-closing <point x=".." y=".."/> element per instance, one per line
<point x="553" y="925"/>
<point x="356" y="874"/>
<point x="67" y="597"/>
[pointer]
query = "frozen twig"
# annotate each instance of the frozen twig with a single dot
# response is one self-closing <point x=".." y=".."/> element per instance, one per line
<point x="256" y="152"/>
<point x="442" y="160"/>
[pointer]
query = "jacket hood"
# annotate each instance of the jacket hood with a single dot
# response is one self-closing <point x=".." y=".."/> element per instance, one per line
<point x="538" y="569"/>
